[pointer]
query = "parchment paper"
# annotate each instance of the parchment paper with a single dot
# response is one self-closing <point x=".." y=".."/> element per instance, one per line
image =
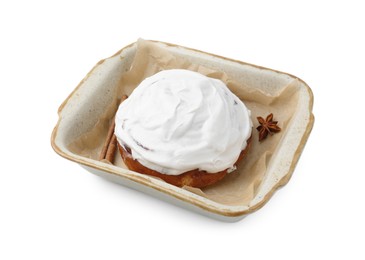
<point x="238" y="187"/>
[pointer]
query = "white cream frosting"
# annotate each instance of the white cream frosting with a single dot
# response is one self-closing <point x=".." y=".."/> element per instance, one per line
<point x="179" y="120"/>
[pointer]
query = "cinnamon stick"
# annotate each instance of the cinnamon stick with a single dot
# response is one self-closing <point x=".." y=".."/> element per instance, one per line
<point x="110" y="144"/>
<point x="107" y="140"/>
<point x="111" y="149"/>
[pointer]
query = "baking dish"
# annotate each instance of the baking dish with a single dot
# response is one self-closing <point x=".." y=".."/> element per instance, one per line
<point x="84" y="107"/>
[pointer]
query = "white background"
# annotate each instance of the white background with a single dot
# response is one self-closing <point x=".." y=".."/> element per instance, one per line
<point x="53" y="209"/>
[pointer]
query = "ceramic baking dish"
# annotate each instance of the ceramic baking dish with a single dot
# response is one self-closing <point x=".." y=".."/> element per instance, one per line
<point x="80" y="111"/>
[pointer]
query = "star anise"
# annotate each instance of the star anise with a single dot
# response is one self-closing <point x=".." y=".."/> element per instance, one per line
<point x="267" y="126"/>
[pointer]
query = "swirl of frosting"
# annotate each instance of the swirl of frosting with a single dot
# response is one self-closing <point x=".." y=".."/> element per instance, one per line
<point x="179" y="120"/>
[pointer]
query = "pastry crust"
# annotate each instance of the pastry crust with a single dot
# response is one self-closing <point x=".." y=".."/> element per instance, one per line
<point x="194" y="178"/>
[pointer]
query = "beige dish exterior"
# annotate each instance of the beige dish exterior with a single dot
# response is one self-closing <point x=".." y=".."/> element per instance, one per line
<point x="80" y="111"/>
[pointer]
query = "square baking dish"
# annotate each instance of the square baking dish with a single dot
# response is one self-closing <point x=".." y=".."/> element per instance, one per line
<point x="85" y="105"/>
